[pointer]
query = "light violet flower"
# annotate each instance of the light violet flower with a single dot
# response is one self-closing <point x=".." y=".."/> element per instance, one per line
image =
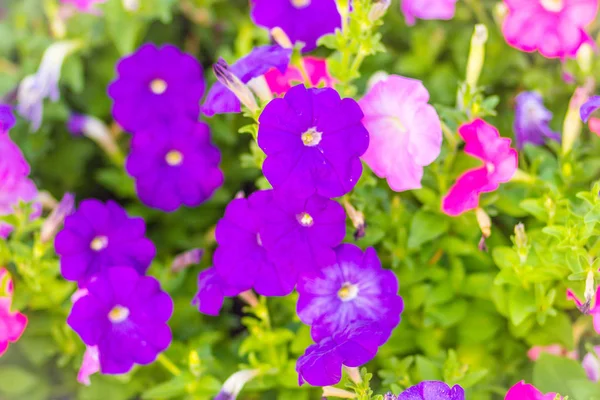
<point x="525" y="391"/>
<point x="186" y="259"/>
<point x="235" y="383"/>
<point x="316" y="69"/>
<point x="555" y="28"/>
<point x="433" y="390"/>
<point x="427" y="9"/>
<point x="555" y="349"/>
<point x="44" y="83"/>
<point x="587" y="308"/>
<point x="484" y="142"/>
<point x="591" y="364"/>
<point x="89" y="366"/>
<point x="405" y="131"/>
<point x="531" y="120"/>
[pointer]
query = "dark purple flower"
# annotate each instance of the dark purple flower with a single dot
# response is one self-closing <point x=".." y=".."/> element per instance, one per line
<point x="156" y="84"/>
<point x="174" y="164"/>
<point x="261" y="59"/>
<point x="313" y="141"/>
<point x="355" y="345"/>
<point x="125" y="315"/>
<point x="531" y="120"/>
<point x="99" y="236"/>
<point x="589" y="107"/>
<point x="241" y="260"/>
<point x="302" y="20"/>
<point x="354" y="288"/>
<point x="7" y="118"/>
<point x="212" y="291"/>
<point x="300" y="232"/>
<point x="432" y="390"/>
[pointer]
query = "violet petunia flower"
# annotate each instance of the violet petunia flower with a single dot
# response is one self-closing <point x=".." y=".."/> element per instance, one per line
<point x="316" y="69"/>
<point x="221" y="100"/>
<point x="589" y="107"/>
<point x="99" y="236"/>
<point x="212" y="290"/>
<point x="125" y="315"/>
<point x="7" y="119"/>
<point x="89" y="366"/>
<point x="526" y="391"/>
<point x="241" y="259"/>
<point x="174" y="164"/>
<point x="555" y="28"/>
<point x="531" y="120"/>
<point x="484" y="142"/>
<point x="156" y="84"/>
<point x="302" y="20"/>
<point x="591" y="364"/>
<point x="433" y="390"/>
<point x="352" y="289"/>
<point x="593" y="310"/>
<point x="404" y="129"/>
<point x="313" y="140"/>
<point x="427" y="9"/>
<point x="12" y="323"/>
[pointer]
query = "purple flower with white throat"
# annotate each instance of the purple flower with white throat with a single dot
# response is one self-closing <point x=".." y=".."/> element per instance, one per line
<point x="99" y="236"/>
<point x="433" y="390"/>
<point x="352" y="289"/>
<point x="174" y="164"/>
<point x="124" y="314"/>
<point x="532" y="120"/>
<point x="313" y="140"/>
<point x="156" y="84"/>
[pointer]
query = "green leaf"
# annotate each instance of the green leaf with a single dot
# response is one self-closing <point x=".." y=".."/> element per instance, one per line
<point x="427" y="370"/>
<point x="16" y="381"/>
<point x="558" y="374"/>
<point x="521" y="303"/>
<point x="174" y="387"/>
<point x="426" y="226"/>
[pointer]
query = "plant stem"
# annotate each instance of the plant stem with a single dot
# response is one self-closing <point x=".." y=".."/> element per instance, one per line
<point x="168" y="364"/>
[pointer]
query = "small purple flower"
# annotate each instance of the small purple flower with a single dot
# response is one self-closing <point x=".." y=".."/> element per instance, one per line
<point x="313" y="140"/>
<point x="302" y="20"/>
<point x="241" y="260"/>
<point x="432" y="390"/>
<point x="531" y="120"/>
<point x="355" y="345"/>
<point x="354" y="288"/>
<point x="7" y="118"/>
<point x="299" y="232"/>
<point x="174" y="164"/>
<point x="212" y="291"/>
<point x="589" y="107"/>
<point x="99" y="236"/>
<point x="221" y="100"/>
<point x="156" y="84"/>
<point x="125" y="315"/>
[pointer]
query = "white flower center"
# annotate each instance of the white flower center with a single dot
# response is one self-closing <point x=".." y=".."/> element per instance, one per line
<point x="301" y="3"/>
<point x="490" y="168"/>
<point x="174" y="158"/>
<point x="118" y="314"/>
<point x="312" y="137"/>
<point x="553" y="5"/>
<point x="258" y="239"/>
<point x="99" y="243"/>
<point x="348" y="292"/>
<point x="305" y="219"/>
<point x="158" y="86"/>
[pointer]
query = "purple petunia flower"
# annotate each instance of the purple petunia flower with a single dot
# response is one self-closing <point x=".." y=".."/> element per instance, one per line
<point x="125" y="315"/>
<point x="7" y="118"/>
<point x="156" y="84"/>
<point x="354" y="288"/>
<point x="261" y="59"/>
<point x="99" y="236"/>
<point x="241" y="260"/>
<point x="212" y="290"/>
<point x="313" y="140"/>
<point x="590" y="106"/>
<point x="302" y="20"/>
<point x="299" y="232"/>
<point x="432" y="390"/>
<point x="355" y="345"/>
<point x="174" y="164"/>
<point x="531" y="120"/>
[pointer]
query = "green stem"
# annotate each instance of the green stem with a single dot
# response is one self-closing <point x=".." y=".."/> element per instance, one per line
<point x="449" y="135"/>
<point x="168" y="364"/>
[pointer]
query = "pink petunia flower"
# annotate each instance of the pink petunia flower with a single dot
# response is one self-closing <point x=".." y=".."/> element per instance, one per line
<point x="554" y="349"/>
<point x="483" y="141"/>
<point x="555" y="28"/>
<point x="594" y="125"/>
<point x="526" y="391"/>
<point x="316" y="68"/>
<point x="12" y="324"/>
<point x="591" y="364"/>
<point x="85" y="6"/>
<point x="405" y="131"/>
<point x="427" y="9"/>
<point x="89" y="366"/>
<point x="594" y="311"/>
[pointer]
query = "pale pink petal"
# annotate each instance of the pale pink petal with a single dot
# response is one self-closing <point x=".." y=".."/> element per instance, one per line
<point x="571" y="296"/>
<point x="428" y="9"/>
<point x="591" y="364"/>
<point x="89" y="366"/>
<point x="581" y="12"/>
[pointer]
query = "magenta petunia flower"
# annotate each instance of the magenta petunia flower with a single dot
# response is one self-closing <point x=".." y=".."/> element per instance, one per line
<point x="99" y="236"/>
<point x="299" y="232"/>
<point x="174" y="164"/>
<point x="12" y="323"/>
<point x="433" y="390"/>
<point x="125" y="315"/>
<point x="313" y="140"/>
<point x="354" y="288"/>
<point x="594" y="310"/>
<point x="555" y="28"/>
<point x="405" y="131"/>
<point x="482" y="141"/>
<point x="355" y="345"/>
<point x="86" y="6"/>
<point x="241" y="260"/>
<point x="315" y="67"/>
<point x="89" y="366"/>
<point x="526" y="391"/>
<point x="532" y="120"/>
<point x="302" y="20"/>
<point x="156" y="85"/>
<point x="261" y="59"/>
<point x="427" y="9"/>
<point x="212" y="290"/>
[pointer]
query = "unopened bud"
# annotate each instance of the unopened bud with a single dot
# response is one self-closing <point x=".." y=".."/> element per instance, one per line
<point x="233" y="83"/>
<point x="131" y="5"/>
<point x="330" y="391"/>
<point x="96" y="130"/>
<point x="476" y="54"/>
<point x="281" y="38"/>
<point x="261" y="88"/>
<point x="353" y="374"/>
<point x="357" y="218"/>
<point x="572" y="124"/>
<point x="500" y="11"/>
<point x="235" y="383"/>
<point x="390" y="396"/>
<point x="585" y="58"/>
<point x="186" y="259"/>
<point x="249" y="297"/>
<point x="484" y="221"/>
<point x="57" y="217"/>
<point x="590" y="287"/>
<point x="520" y="235"/>
<point x="378" y="9"/>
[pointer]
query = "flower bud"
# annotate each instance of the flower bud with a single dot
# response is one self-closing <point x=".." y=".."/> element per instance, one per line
<point x="378" y="9"/>
<point x="330" y="391"/>
<point x="590" y="287"/>
<point x="131" y="5"/>
<point x="56" y="218"/>
<point x="233" y="83"/>
<point x="484" y="221"/>
<point x="281" y="38"/>
<point x="476" y="54"/>
<point x="234" y="384"/>
<point x="95" y="129"/>
<point x="585" y="58"/>
<point x="186" y="259"/>
<point x="572" y="124"/>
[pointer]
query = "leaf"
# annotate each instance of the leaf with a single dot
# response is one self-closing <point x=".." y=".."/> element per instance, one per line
<point x="426" y="226"/>
<point x="558" y="374"/>
<point x="174" y="387"/>
<point x="521" y="303"/>
<point x="427" y="370"/>
<point x="124" y="29"/>
<point x="16" y="381"/>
